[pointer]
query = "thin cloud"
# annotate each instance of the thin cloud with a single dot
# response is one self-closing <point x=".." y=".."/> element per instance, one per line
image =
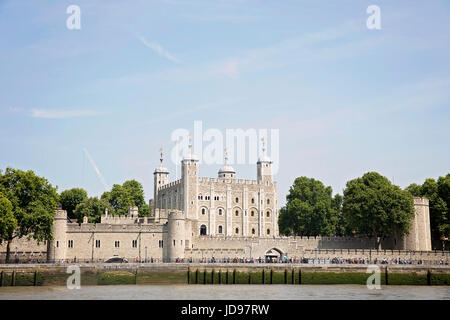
<point x="159" y="50"/>
<point x="62" y="114"/>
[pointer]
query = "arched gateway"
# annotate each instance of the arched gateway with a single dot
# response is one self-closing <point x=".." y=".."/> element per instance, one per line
<point x="273" y="254"/>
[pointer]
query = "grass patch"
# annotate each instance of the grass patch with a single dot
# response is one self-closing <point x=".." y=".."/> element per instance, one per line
<point x="336" y="278"/>
<point x="163" y="278"/>
<point x="440" y="279"/>
<point x="116" y="278"/>
<point x="411" y="278"/>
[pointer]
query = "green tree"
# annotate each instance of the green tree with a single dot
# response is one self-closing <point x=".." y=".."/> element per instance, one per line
<point x="8" y="222"/>
<point x="309" y="210"/>
<point x="130" y="193"/>
<point x="71" y="198"/>
<point x="33" y="200"/>
<point x="92" y="208"/>
<point x="341" y="226"/>
<point x="374" y="207"/>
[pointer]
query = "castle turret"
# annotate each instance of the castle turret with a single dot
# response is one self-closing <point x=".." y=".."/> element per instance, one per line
<point x="264" y="166"/>
<point x="161" y="177"/>
<point x="419" y="237"/>
<point x="56" y="248"/>
<point x="175" y="239"/>
<point x="189" y="175"/>
<point x="227" y="171"/>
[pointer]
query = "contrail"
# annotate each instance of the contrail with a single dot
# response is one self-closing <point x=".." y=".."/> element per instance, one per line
<point x="96" y="169"/>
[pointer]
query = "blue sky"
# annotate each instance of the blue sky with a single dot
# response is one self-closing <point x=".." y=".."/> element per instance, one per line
<point x="346" y="99"/>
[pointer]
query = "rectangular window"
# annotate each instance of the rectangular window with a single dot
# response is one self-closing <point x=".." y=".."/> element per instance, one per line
<point x="57" y="244"/>
<point x="117" y="244"/>
<point x="97" y="243"/>
<point x="70" y="244"/>
<point x="160" y="243"/>
<point x="134" y="244"/>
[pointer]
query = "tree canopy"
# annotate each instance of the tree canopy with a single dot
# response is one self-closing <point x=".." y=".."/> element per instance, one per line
<point x="374" y="207"/>
<point x="130" y="193"/>
<point x="92" y="208"/>
<point x="32" y="200"/>
<point x="310" y="209"/>
<point x="71" y="198"/>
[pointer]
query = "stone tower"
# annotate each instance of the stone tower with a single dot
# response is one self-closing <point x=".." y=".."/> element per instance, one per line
<point x="56" y="248"/>
<point x="161" y="177"/>
<point x="264" y="167"/>
<point x="189" y="176"/>
<point x="419" y="237"/>
<point x="175" y="238"/>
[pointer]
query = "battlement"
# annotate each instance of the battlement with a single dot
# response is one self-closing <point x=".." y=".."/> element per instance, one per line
<point x="207" y="180"/>
<point x="419" y="201"/>
<point x="106" y="227"/>
<point x="170" y="185"/>
<point x="60" y="214"/>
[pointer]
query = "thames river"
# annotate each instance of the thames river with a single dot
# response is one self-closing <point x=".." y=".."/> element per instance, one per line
<point x="229" y="292"/>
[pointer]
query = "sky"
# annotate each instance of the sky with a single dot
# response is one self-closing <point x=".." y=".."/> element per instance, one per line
<point x="100" y="101"/>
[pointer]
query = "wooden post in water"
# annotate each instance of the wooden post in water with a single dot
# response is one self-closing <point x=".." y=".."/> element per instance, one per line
<point x="13" y="278"/>
<point x="226" y="277"/>
<point x="220" y="276"/>
<point x="35" y="278"/>
<point x="1" y="279"/>
<point x="429" y="277"/>
<point x="285" y="276"/>
<point x="196" y="276"/>
<point x="234" y="276"/>
<point x="386" y="275"/>
<point x="263" y="276"/>
<point x="292" y="276"/>
<point x="212" y="276"/>
<point x="271" y="276"/>
<point x="189" y="275"/>
<point x="299" y="276"/>
<point x="204" y="276"/>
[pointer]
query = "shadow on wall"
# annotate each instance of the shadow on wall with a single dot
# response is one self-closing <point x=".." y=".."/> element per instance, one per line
<point x="357" y="243"/>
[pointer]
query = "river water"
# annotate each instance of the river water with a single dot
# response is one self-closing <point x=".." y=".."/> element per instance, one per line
<point x="230" y="292"/>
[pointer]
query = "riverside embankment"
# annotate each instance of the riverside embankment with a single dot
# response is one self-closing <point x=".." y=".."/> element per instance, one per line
<point x="229" y="273"/>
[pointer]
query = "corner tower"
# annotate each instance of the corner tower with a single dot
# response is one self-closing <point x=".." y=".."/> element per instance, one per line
<point x="56" y="248"/>
<point x="264" y="166"/>
<point x="189" y="176"/>
<point x="161" y="177"/>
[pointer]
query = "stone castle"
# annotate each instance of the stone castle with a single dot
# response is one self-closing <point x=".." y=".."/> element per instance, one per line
<point x="202" y="218"/>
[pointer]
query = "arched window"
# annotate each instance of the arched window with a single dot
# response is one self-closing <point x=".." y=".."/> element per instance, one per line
<point x="252" y="213"/>
<point x="268" y="231"/>
<point x="268" y="201"/>
<point x="253" y="200"/>
<point x="203" y="230"/>
<point x="220" y="229"/>
<point x="237" y="213"/>
<point x="237" y="200"/>
<point x="203" y="211"/>
<point x="220" y="212"/>
<point x="237" y="230"/>
<point x="253" y="230"/>
<point x="268" y="214"/>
